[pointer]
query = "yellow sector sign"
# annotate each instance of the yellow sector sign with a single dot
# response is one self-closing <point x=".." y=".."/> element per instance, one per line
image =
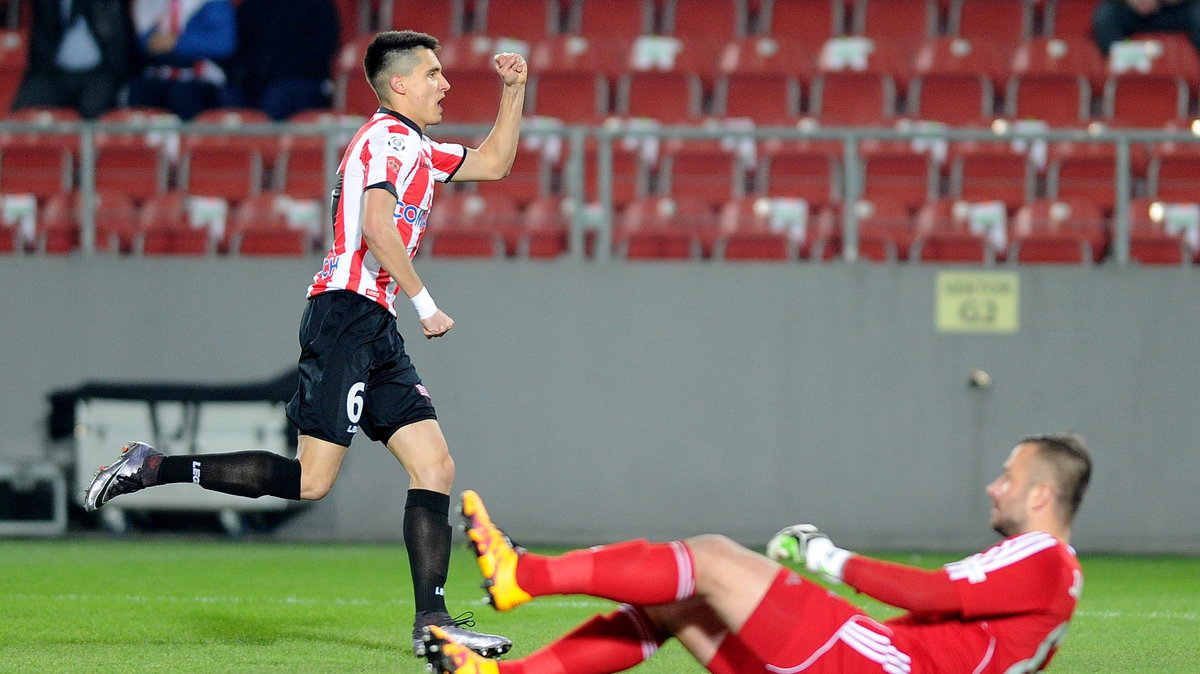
<point x="981" y="302"/>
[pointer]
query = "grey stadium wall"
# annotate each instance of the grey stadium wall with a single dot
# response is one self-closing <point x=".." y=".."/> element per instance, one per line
<point x="591" y="402"/>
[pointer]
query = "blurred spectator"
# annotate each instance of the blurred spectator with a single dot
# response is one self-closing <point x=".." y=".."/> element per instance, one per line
<point x="79" y="55"/>
<point x="269" y="71"/>
<point x="1116" y="20"/>
<point x="183" y="41"/>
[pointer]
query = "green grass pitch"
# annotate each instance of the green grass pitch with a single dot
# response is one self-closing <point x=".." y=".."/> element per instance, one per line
<point x="168" y="605"/>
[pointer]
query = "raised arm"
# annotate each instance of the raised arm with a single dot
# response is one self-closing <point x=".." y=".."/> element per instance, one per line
<point x="493" y="159"/>
<point x="902" y="586"/>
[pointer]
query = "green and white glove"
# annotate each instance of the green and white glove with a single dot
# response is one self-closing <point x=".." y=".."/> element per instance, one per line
<point x="805" y="544"/>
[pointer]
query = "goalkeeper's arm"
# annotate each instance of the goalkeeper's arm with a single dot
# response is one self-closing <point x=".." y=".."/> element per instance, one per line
<point x="902" y="586"/>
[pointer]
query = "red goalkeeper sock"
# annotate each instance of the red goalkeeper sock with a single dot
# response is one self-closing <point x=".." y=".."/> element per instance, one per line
<point x="635" y="572"/>
<point x="607" y="643"/>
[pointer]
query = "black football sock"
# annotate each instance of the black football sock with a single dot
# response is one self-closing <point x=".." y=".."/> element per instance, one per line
<point x="252" y="474"/>
<point x="427" y="538"/>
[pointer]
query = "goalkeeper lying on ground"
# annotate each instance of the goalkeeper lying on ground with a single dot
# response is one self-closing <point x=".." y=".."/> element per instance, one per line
<point x="1003" y="610"/>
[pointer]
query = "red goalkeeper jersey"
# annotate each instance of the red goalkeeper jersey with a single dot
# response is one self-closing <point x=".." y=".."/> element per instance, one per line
<point x="1004" y="610"/>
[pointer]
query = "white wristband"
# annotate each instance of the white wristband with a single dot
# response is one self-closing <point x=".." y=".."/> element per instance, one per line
<point x="825" y="558"/>
<point x="423" y="303"/>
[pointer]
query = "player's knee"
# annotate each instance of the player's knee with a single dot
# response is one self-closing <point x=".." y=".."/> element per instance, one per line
<point x="711" y="556"/>
<point x="314" y="487"/>
<point x="436" y="474"/>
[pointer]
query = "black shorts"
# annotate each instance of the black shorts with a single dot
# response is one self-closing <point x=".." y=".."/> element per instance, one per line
<point x="354" y="373"/>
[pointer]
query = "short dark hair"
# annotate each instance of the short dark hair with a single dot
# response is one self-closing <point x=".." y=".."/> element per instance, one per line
<point x="1071" y="465"/>
<point x="389" y="52"/>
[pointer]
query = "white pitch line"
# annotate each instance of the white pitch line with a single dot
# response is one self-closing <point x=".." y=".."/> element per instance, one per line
<point x="1153" y="615"/>
<point x="557" y="603"/>
<point x="289" y="601"/>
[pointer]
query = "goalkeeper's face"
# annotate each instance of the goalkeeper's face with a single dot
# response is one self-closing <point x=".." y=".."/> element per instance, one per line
<point x="1010" y="492"/>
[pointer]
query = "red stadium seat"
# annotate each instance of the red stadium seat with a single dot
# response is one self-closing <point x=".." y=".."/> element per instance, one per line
<point x="545" y="227"/>
<point x="800" y="21"/>
<point x="1144" y="100"/>
<point x="708" y="22"/>
<point x="1082" y="172"/>
<point x="1051" y="230"/>
<point x="167" y="229"/>
<point x="525" y="20"/>
<point x="57" y="227"/>
<point x="766" y="228"/>
<point x="630" y="175"/>
<point x="669" y="97"/>
<point x="853" y="99"/>
<point x="612" y="19"/>
<point x="945" y="232"/>
<point x="663" y="228"/>
<point x="217" y="169"/>
<point x="352" y="94"/>
<point x="136" y="163"/>
<point x="960" y="55"/>
<point x="885" y="230"/>
<point x="906" y="176"/>
<point x="440" y="18"/>
<point x="259" y="226"/>
<point x="528" y="179"/>
<point x="13" y="57"/>
<point x="47" y="123"/>
<point x="607" y="57"/>
<point x="868" y="55"/>
<point x="900" y="22"/>
<point x="955" y="99"/>
<point x="710" y="175"/>
<point x="812" y="176"/>
<point x="1070" y="18"/>
<point x="33" y="167"/>
<point x="1174" y="177"/>
<point x="576" y="97"/>
<point x="767" y="98"/>
<point x="1005" y="22"/>
<point x="767" y="54"/>
<point x="1075" y="55"/>
<point x="1153" y="239"/>
<point x="992" y="174"/>
<point x="473" y="98"/>
<point x="1148" y="54"/>
<point x="462" y="224"/>
<point x="1058" y="99"/>
<point x="469" y="52"/>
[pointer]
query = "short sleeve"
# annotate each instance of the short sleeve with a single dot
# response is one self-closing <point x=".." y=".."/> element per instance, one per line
<point x="447" y="158"/>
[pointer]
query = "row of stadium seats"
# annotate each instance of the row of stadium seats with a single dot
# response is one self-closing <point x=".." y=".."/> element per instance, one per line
<point x="171" y="223"/>
<point x="1149" y="82"/>
<point x="652" y="228"/>
<point x="236" y="167"/>
<point x="792" y="20"/>
<point x="805" y="21"/>
<point x="140" y="165"/>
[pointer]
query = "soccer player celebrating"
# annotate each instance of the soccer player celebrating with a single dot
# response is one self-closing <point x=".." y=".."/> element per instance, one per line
<point x="354" y="373"/>
<point x="1005" y="609"/>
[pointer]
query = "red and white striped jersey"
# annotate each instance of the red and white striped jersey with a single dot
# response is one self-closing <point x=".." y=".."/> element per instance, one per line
<point x="389" y="152"/>
<point x="1017" y="598"/>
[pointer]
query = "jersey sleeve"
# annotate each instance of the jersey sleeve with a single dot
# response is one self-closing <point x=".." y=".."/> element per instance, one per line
<point x="447" y="159"/>
<point x="1025" y="584"/>
<point x="903" y="586"/>
<point x="390" y="154"/>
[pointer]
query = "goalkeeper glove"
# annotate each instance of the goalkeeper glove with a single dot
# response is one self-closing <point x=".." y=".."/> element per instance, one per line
<point x="805" y="544"/>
